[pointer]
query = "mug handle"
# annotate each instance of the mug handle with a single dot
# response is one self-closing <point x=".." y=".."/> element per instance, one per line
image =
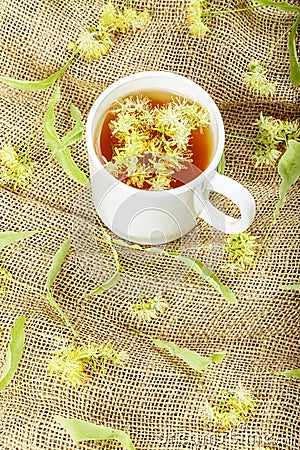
<point x="235" y="192"/>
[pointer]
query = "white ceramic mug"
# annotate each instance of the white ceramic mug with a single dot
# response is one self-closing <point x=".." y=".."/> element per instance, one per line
<point x="157" y="217"/>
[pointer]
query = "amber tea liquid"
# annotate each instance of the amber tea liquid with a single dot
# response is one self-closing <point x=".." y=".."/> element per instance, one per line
<point x="200" y="144"/>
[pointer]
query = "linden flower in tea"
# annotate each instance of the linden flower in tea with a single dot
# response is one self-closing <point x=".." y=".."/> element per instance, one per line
<point x="146" y="143"/>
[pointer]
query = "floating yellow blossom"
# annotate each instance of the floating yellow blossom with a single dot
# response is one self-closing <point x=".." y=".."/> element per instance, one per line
<point x="153" y="141"/>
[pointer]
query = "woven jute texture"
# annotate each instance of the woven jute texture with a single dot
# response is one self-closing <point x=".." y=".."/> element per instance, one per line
<point x="154" y="395"/>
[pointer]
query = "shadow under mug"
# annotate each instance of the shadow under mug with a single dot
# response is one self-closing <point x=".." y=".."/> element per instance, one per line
<point x="158" y="217"/>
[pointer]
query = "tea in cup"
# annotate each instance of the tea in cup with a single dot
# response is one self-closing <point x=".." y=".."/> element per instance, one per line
<point x="154" y="141"/>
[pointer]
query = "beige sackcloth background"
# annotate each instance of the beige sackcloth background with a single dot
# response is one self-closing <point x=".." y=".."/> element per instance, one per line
<point x="158" y="396"/>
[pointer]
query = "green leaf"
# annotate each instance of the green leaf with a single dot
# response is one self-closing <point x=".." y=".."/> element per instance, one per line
<point x="193" y="359"/>
<point x="115" y="277"/>
<point x="37" y="85"/>
<point x="54" y="270"/>
<point x="114" y="251"/>
<point x="125" y="244"/>
<point x="50" y="134"/>
<point x="291" y="287"/>
<point x="66" y="162"/>
<point x="57" y="261"/>
<point x="289" y="170"/>
<point x="196" y="265"/>
<point x="76" y="133"/>
<point x="105" y="286"/>
<point x="80" y="431"/>
<point x="10" y="237"/>
<point x="14" y="352"/>
<point x="283" y="6"/>
<point x="294" y="62"/>
<point x="53" y="303"/>
<point x="208" y="275"/>
<point x="59" y="148"/>
<point x="218" y="357"/>
<point x="222" y="164"/>
<point x="295" y="373"/>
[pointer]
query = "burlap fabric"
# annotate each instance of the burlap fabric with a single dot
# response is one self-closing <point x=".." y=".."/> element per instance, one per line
<point x="158" y="397"/>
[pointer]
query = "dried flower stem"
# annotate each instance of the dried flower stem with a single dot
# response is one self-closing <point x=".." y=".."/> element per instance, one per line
<point x="238" y="137"/>
<point x="256" y="79"/>
<point x="275" y="45"/>
<point x="264" y="242"/>
<point x="36" y="124"/>
<point x="228" y="11"/>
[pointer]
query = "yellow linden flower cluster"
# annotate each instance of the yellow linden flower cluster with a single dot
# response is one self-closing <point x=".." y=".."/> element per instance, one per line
<point x="16" y="170"/>
<point x="255" y="79"/>
<point x="97" y="41"/>
<point x="198" y="15"/>
<point x="72" y="363"/>
<point x="273" y="134"/>
<point x="153" y="142"/>
<point x="235" y="407"/>
<point x="147" y="309"/>
<point x="5" y="276"/>
<point x="241" y="250"/>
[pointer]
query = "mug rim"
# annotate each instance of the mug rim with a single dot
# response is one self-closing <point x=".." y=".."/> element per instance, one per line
<point x="165" y="74"/>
